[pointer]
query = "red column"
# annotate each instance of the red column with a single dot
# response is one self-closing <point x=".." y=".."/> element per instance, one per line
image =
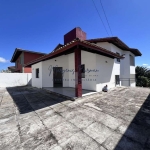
<point x="78" y="80"/>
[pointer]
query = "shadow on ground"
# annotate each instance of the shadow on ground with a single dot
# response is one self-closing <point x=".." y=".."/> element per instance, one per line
<point x="138" y="131"/>
<point x="28" y="99"/>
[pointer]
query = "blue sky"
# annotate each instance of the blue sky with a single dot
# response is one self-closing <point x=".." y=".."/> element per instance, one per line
<point x="40" y="24"/>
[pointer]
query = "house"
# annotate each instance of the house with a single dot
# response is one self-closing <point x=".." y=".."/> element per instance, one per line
<point x="86" y="64"/>
<point x="12" y="68"/>
<point x="21" y="57"/>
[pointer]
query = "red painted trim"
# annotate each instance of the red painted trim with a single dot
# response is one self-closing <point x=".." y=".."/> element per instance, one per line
<point x="78" y="80"/>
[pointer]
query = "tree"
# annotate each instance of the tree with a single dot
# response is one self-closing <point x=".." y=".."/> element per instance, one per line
<point x="142" y="76"/>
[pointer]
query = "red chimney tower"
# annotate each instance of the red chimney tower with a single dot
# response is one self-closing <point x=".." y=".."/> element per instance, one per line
<point x="73" y="34"/>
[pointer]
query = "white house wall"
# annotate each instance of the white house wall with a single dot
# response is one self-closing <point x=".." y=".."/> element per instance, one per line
<point x="61" y="61"/>
<point x="132" y="80"/>
<point x="15" y="79"/>
<point x="68" y="64"/>
<point x="100" y="70"/>
<point x="105" y="45"/>
<point x="132" y="68"/>
<point x="71" y="63"/>
<point x="37" y="82"/>
<point x="106" y="72"/>
<point x="89" y="59"/>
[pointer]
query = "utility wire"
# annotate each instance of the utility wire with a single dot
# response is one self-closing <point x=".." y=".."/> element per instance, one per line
<point x="106" y="17"/>
<point x="100" y="17"/>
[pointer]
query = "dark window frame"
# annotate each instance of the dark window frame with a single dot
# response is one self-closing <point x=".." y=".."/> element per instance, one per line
<point x="118" y="59"/>
<point x="37" y="72"/>
<point x="132" y="60"/>
<point x="117" y="79"/>
<point x="83" y="71"/>
<point x="20" y="60"/>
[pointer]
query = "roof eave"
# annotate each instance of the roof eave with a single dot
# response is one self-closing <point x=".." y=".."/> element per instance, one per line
<point x="69" y="46"/>
<point x="21" y="50"/>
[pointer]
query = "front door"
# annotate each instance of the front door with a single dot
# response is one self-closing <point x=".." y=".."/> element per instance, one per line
<point x="57" y="77"/>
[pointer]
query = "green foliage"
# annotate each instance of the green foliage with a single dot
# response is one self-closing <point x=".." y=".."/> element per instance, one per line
<point x="142" y="76"/>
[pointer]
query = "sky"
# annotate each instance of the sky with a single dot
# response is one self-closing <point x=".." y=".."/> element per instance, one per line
<point x="39" y="25"/>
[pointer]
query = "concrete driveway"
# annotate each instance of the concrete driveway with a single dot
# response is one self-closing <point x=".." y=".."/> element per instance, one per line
<point x="32" y="118"/>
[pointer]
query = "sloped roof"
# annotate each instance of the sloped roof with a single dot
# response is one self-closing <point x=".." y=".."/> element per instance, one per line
<point x="18" y="51"/>
<point x="117" y="42"/>
<point x="12" y="67"/>
<point x="57" y="47"/>
<point x="69" y="47"/>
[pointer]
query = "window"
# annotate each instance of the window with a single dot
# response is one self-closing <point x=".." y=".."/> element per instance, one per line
<point x="37" y="72"/>
<point x="117" y="79"/>
<point x="20" y="59"/>
<point x="83" y="70"/>
<point x="118" y="60"/>
<point x="132" y="61"/>
<point x="17" y="62"/>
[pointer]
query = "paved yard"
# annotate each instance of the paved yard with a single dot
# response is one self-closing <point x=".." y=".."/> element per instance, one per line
<point x="31" y="118"/>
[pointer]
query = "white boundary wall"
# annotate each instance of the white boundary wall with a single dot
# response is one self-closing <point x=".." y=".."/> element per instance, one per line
<point x="15" y="79"/>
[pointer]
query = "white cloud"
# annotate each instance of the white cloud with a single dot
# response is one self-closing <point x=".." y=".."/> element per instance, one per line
<point x="148" y="67"/>
<point x="3" y="60"/>
<point x="145" y="64"/>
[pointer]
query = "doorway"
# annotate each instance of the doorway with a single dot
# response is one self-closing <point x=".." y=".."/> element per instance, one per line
<point x="57" y="77"/>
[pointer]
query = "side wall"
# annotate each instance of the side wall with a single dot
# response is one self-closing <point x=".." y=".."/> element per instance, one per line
<point x="18" y="63"/>
<point x="124" y="67"/>
<point x="37" y="82"/>
<point x="27" y="69"/>
<point x="30" y="56"/>
<point x="89" y="60"/>
<point x="15" y="79"/>
<point x="67" y="62"/>
<point x="107" y="71"/>
<point x="47" y="74"/>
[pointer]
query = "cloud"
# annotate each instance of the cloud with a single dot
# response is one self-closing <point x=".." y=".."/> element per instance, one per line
<point x="3" y="60"/>
<point x="145" y="64"/>
<point x="148" y="67"/>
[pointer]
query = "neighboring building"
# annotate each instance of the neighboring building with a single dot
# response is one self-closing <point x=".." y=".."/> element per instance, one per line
<point x="21" y="57"/>
<point x="12" y="68"/>
<point x="86" y="64"/>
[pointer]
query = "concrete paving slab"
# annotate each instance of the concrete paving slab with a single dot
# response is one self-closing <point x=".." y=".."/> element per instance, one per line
<point x="79" y="141"/>
<point x="127" y="144"/>
<point x="8" y="128"/>
<point x="67" y="91"/>
<point x="98" y="131"/>
<point x="56" y="148"/>
<point x="37" y="105"/>
<point x="64" y="131"/>
<point x="112" y="141"/>
<point x="53" y="121"/>
<point x="10" y="140"/>
<point x="135" y="132"/>
<point x="30" y="130"/>
<point x="46" y="113"/>
<point x="111" y="122"/>
<point x="118" y="119"/>
<point x="81" y="121"/>
<point x="45" y="138"/>
<point x="70" y="113"/>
